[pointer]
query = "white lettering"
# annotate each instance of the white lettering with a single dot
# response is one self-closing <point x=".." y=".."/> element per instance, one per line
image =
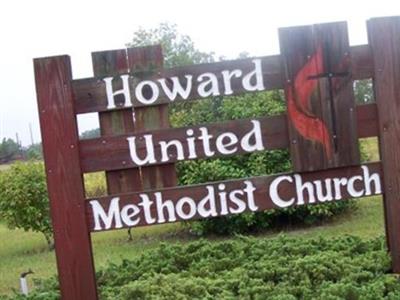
<point x="208" y="85"/>
<point x="367" y="182"/>
<point x="191" y="144"/>
<point x="249" y="190"/>
<point x="164" y="150"/>
<point x="154" y="92"/>
<point x="273" y="192"/>
<point x="210" y="200"/>
<point x="320" y="196"/>
<point x="107" y="218"/>
<point x="146" y="204"/>
<point x="149" y="159"/>
<point x="223" y="147"/>
<point x="351" y="189"/>
<point x="300" y="187"/>
<point x="128" y="212"/>
<point x="240" y="204"/>
<point x="255" y="133"/>
<point x="205" y="137"/>
<point x="337" y="183"/>
<point x="177" y="87"/>
<point x="222" y="199"/>
<point x="160" y="209"/>
<point x="227" y="76"/>
<point x="256" y="75"/>
<point x="124" y="91"/>
<point x="192" y="208"/>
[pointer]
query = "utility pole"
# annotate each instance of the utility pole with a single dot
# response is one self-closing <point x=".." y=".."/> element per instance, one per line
<point x="30" y="131"/>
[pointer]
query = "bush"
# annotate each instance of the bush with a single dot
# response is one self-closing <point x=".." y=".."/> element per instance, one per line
<point x="242" y="166"/>
<point x="23" y="198"/>
<point x="249" y="268"/>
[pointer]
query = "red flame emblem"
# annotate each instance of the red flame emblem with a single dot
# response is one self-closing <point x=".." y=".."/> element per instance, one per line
<point x="304" y="121"/>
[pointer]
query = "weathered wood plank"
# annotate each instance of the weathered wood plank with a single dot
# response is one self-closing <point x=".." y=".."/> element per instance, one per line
<point x="367" y="120"/>
<point x="146" y="60"/>
<point x="384" y="38"/>
<point x="116" y="122"/>
<point x="232" y="197"/>
<point x="95" y="153"/>
<point x="361" y="62"/>
<point x="91" y="92"/>
<point x="319" y="95"/>
<point x="64" y="179"/>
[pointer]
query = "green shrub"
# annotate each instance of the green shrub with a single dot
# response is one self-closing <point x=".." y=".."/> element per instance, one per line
<point x="249" y="268"/>
<point x="23" y="198"/>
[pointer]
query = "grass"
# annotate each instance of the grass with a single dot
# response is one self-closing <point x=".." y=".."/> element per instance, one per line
<point x="20" y="251"/>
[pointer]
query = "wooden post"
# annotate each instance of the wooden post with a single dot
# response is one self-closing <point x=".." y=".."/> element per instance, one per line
<point x="64" y="179"/>
<point x="384" y="40"/>
<point x="319" y="96"/>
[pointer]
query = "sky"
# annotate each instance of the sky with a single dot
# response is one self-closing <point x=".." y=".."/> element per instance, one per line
<point x="31" y="29"/>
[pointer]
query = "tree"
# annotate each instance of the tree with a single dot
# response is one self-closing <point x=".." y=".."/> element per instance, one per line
<point x="34" y="152"/>
<point x="8" y="150"/>
<point x="24" y="202"/>
<point x="178" y="49"/>
<point x="90" y="134"/>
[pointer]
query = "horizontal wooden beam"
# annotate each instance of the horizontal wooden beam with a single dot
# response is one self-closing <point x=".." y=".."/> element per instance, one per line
<point x="232" y="197"/>
<point x="91" y="96"/>
<point x="113" y="153"/>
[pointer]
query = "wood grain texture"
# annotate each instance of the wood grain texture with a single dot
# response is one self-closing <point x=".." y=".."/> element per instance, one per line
<point x="261" y="193"/>
<point x="319" y="94"/>
<point x="91" y="93"/>
<point x="95" y="153"/>
<point x="116" y="122"/>
<point x="64" y="178"/>
<point x="143" y="61"/>
<point x="361" y="62"/>
<point x="384" y="39"/>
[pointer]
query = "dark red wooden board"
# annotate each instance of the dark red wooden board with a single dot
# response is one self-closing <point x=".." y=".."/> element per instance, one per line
<point x="384" y="38"/>
<point x="64" y="179"/>
<point x="95" y="153"/>
<point x="319" y="96"/>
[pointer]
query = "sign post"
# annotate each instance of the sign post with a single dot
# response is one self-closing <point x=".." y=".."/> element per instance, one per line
<point x="384" y="39"/>
<point x="64" y="178"/>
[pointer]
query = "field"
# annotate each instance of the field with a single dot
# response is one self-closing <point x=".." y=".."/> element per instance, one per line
<point x="20" y="251"/>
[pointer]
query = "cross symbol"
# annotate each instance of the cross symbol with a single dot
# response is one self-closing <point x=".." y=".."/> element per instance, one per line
<point x="330" y="75"/>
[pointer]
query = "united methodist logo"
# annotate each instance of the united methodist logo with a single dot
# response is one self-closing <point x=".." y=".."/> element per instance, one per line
<point x="299" y="94"/>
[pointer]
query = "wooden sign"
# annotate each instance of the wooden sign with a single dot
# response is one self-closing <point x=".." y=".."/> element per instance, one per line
<point x="131" y="92"/>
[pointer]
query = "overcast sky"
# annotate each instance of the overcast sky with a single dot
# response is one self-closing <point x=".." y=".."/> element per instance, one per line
<point x="30" y="29"/>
